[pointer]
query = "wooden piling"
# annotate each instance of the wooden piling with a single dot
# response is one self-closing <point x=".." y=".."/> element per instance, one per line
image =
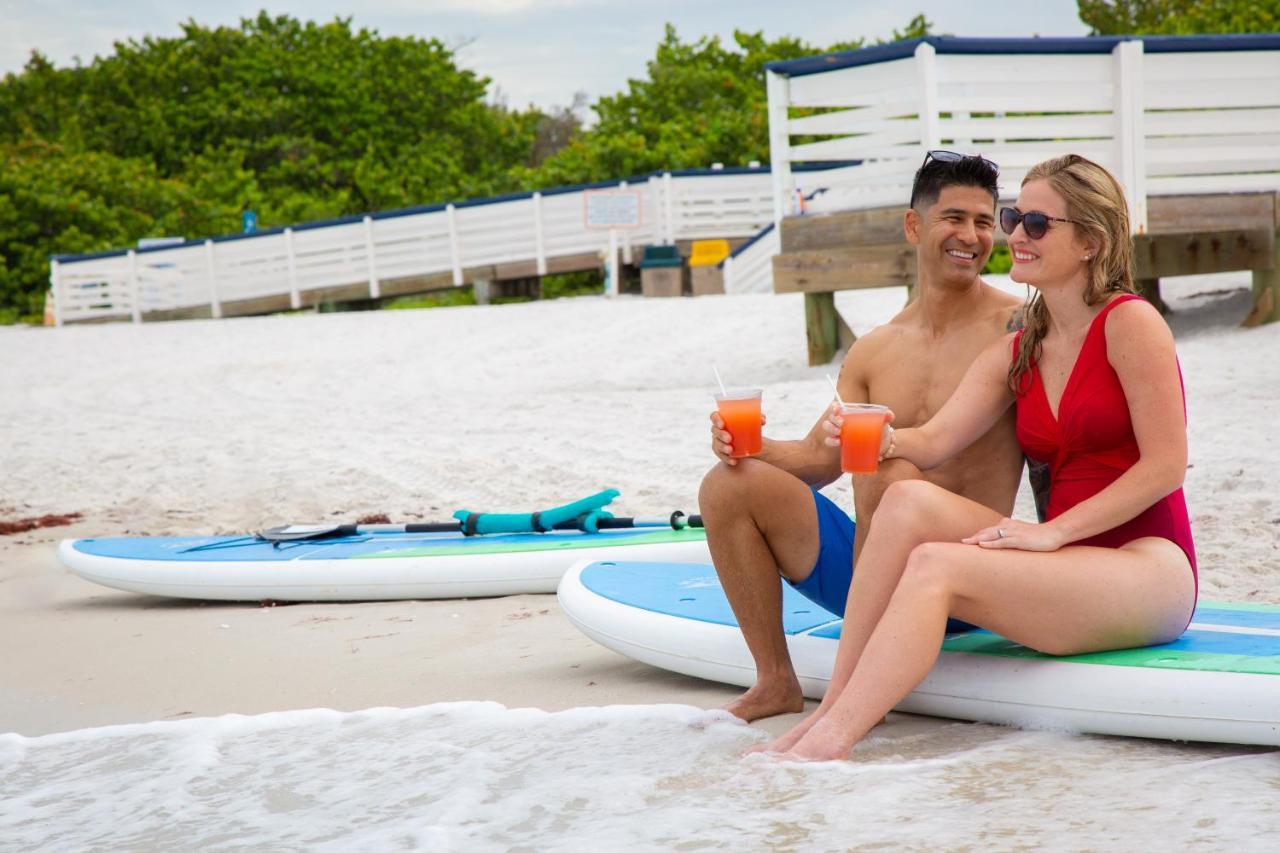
<point x="826" y="331"/>
<point x="1266" y="291"/>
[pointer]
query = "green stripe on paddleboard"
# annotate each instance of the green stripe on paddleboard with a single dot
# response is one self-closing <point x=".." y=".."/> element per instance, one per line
<point x="1244" y="606"/>
<point x="1155" y="657"/>
<point x="482" y="545"/>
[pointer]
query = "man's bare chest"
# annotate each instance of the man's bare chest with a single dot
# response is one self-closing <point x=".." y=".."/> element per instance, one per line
<point x="916" y="380"/>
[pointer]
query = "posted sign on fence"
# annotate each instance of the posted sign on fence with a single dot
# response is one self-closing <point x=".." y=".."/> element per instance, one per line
<point x="611" y="208"/>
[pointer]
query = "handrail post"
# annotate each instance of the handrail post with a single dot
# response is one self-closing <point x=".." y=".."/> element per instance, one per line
<point x="658" y="232"/>
<point x="1131" y="155"/>
<point x="726" y="272"/>
<point x="454" y="255"/>
<point x="211" y="269"/>
<point x="626" y="239"/>
<point x="295" y="299"/>
<point x="779" y="92"/>
<point x="370" y="259"/>
<point x="614" y="272"/>
<point x="669" y="204"/>
<point x="55" y="288"/>
<point x="927" y="74"/>
<point x="539" y="240"/>
<point x="135" y="287"/>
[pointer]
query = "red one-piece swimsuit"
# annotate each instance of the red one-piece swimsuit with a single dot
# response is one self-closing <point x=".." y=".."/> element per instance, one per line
<point x="1091" y="443"/>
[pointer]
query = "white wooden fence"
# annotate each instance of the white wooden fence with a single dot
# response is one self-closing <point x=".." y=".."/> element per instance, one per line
<point x="1168" y="115"/>
<point x="749" y="268"/>
<point x="369" y="250"/>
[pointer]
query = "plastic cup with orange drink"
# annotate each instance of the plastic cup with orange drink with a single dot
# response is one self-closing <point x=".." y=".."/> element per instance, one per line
<point x="860" y="436"/>
<point x="739" y="408"/>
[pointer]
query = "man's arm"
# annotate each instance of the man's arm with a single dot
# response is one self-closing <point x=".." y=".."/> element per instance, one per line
<point x="810" y="459"/>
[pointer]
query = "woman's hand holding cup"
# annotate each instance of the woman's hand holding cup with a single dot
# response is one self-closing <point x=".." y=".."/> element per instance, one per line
<point x="855" y="428"/>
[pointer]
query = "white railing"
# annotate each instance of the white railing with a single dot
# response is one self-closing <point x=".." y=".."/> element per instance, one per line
<point x="526" y="229"/>
<point x="749" y="268"/>
<point x="1168" y="115"/>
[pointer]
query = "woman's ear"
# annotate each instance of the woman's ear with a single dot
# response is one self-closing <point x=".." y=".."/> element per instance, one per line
<point x="1092" y="248"/>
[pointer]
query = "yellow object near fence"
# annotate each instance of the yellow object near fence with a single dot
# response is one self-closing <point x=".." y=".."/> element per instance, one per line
<point x="705" y="275"/>
<point x="708" y="253"/>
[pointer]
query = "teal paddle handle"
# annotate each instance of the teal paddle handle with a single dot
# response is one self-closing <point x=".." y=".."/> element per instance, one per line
<point x="474" y="523"/>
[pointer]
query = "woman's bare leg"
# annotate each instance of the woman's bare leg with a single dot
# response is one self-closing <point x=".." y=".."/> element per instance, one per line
<point x="1074" y="600"/>
<point x="911" y="512"/>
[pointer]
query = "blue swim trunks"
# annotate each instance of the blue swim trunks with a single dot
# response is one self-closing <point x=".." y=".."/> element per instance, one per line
<point x="828" y="583"/>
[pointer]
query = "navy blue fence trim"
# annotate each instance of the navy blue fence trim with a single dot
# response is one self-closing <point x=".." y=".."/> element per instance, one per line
<point x="759" y="235"/>
<point x="638" y="181"/>
<point x="1068" y="45"/>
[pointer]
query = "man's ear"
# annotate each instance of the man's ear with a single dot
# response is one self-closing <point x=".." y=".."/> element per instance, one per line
<point x="912" y="224"/>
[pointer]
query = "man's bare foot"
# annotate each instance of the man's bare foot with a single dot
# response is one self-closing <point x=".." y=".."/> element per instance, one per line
<point x="768" y="698"/>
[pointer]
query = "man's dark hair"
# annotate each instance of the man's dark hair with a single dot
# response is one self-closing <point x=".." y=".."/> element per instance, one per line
<point x="936" y="175"/>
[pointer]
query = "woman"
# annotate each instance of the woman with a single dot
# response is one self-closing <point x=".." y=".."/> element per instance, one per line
<point x="1099" y="397"/>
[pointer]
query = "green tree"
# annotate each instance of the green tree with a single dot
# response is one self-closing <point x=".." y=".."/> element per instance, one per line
<point x="1179" y="17"/>
<point x="174" y="135"/>
<point x="320" y="110"/>
<point x="304" y="121"/>
<point x="702" y="102"/>
<point x="53" y="199"/>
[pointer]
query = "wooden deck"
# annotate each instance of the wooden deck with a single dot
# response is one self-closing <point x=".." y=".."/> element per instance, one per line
<point x="1188" y="235"/>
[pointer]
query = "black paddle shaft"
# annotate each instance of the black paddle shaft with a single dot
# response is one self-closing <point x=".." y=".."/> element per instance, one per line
<point x="677" y="521"/>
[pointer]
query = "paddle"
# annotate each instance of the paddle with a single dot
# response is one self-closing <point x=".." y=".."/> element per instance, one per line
<point x="586" y="515"/>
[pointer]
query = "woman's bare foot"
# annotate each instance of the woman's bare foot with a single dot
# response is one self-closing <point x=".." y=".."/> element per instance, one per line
<point x="768" y="698"/>
<point x="784" y="742"/>
<point x="820" y="743"/>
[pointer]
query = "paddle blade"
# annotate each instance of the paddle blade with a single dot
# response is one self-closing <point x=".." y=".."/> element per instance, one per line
<point x="298" y="532"/>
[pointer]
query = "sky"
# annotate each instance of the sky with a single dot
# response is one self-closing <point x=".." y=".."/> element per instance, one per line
<point x="537" y="52"/>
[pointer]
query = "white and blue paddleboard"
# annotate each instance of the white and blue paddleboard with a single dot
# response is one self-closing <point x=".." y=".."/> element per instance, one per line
<point x="372" y="566"/>
<point x="1219" y="682"/>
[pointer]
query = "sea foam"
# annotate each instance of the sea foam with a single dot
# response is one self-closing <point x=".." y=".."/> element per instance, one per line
<point x="478" y="776"/>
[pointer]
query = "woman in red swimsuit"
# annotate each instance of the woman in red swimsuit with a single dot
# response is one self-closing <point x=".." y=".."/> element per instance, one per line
<point x="1099" y="398"/>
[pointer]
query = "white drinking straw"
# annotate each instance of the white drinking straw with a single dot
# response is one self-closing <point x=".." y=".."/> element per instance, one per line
<point x="833" y="388"/>
<point x="723" y="393"/>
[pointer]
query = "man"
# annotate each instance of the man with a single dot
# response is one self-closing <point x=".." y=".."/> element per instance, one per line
<point x="764" y="516"/>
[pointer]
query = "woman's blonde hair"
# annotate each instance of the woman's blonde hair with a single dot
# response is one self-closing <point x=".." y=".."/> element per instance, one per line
<point x="1098" y="210"/>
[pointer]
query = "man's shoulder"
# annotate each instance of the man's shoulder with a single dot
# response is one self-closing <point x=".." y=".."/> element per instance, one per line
<point x="879" y="338"/>
<point x="1007" y="311"/>
<point x="871" y="347"/>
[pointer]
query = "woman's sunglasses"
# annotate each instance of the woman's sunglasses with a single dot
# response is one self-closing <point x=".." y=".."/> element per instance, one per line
<point x="1034" y="223"/>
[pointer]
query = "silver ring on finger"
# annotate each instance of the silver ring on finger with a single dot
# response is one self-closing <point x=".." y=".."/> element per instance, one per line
<point x="999" y="532"/>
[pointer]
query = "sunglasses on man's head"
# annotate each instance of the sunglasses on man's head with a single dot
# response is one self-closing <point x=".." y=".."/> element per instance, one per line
<point x="954" y="157"/>
<point x="1034" y="223"/>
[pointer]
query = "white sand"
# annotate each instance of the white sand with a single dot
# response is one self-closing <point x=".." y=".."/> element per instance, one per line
<point x="223" y="426"/>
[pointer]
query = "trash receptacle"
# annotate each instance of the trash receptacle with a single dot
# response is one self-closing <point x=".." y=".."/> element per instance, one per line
<point x="704" y="266"/>
<point x="661" y="271"/>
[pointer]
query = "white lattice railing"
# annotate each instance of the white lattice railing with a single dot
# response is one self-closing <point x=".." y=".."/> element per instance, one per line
<point x="1168" y="115"/>
<point x="749" y="269"/>
<point x="528" y="229"/>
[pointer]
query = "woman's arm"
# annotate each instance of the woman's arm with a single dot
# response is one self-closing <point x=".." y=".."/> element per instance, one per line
<point x="979" y="400"/>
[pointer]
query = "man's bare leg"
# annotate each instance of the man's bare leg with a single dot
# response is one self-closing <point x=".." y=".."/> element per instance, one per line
<point x="761" y="523"/>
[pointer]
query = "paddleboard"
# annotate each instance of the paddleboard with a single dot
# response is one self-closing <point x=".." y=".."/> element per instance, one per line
<point x="1219" y="682"/>
<point x="363" y="567"/>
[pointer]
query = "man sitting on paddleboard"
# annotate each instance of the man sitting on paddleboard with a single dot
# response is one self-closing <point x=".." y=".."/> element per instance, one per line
<point x="764" y="515"/>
